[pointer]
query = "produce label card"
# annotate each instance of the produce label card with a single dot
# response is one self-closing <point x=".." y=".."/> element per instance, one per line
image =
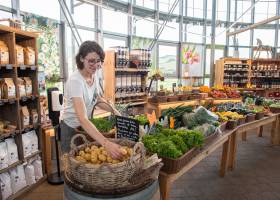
<point x="127" y="128"/>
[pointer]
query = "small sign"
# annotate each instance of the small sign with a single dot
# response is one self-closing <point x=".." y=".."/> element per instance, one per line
<point x="22" y="67"/>
<point x="127" y="128"/>
<point x="9" y="66"/>
<point x="33" y="67"/>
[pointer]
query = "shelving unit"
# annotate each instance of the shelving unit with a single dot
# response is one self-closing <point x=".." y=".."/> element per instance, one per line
<point x="116" y="90"/>
<point x="262" y="74"/>
<point x="10" y="109"/>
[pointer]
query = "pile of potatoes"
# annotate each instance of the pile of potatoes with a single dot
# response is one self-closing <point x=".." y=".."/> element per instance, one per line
<point x="98" y="155"/>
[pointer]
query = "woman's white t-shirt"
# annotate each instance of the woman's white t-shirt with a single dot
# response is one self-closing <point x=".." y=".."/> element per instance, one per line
<point x="76" y="86"/>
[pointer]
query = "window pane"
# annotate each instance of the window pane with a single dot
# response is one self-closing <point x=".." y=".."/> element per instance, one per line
<point x="109" y="42"/>
<point x="220" y="36"/>
<point x="50" y="8"/>
<point x="242" y="6"/>
<point x="221" y="10"/>
<point x="243" y="38"/>
<point x="168" y="60"/>
<point x="194" y="33"/>
<point x="170" y="31"/>
<point x="4" y="14"/>
<point x="266" y="36"/>
<point x="143" y="27"/>
<point x="243" y="52"/>
<point x="146" y="3"/>
<point x="219" y="53"/>
<point x="165" y="6"/>
<point x="86" y="35"/>
<point x="114" y="21"/>
<point x="194" y="8"/>
<point x="167" y="83"/>
<point x="209" y="9"/>
<point x="7" y="3"/>
<point x="84" y="15"/>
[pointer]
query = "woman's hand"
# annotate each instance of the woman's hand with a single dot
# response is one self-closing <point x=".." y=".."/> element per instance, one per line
<point x="113" y="149"/>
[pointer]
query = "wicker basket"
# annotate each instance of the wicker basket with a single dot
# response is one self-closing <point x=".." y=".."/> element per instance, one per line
<point x="250" y="117"/>
<point x="259" y="115"/>
<point x="104" y="176"/>
<point x="183" y="97"/>
<point x="274" y="110"/>
<point x="231" y="124"/>
<point x="223" y="126"/>
<point x="172" y="166"/>
<point x="241" y="121"/>
<point x="172" y="98"/>
<point x="158" y="99"/>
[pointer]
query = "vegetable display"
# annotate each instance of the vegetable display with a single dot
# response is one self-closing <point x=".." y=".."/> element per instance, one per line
<point x="228" y="115"/>
<point x="103" y="125"/>
<point x="98" y="155"/>
<point x="275" y="105"/>
<point x="172" y="143"/>
<point x="142" y="119"/>
<point x="177" y="114"/>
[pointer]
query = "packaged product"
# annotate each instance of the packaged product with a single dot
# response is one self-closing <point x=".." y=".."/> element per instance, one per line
<point x="8" y="88"/>
<point x="33" y="138"/>
<point x="4" y="157"/>
<point x="28" y="85"/>
<point x="38" y="169"/>
<point x="17" y="178"/>
<point x="29" y="56"/>
<point x="6" y="188"/>
<point x="27" y="145"/>
<point x="4" y="53"/>
<point x="21" y="87"/>
<point x="20" y="55"/>
<point x="12" y="150"/>
<point x="34" y="116"/>
<point x="25" y="117"/>
<point x="30" y="174"/>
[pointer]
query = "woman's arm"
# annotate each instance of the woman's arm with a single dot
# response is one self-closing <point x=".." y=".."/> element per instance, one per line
<point x="104" y="105"/>
<point x="80" y="109"/>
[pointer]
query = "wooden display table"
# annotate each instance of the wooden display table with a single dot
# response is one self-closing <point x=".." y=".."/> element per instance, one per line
<point x="228" y="140"/>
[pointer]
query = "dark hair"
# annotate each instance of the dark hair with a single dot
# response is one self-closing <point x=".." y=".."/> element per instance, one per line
<point x="88" y="47"/>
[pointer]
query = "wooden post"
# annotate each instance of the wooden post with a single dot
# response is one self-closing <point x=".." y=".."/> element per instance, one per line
<point x="232" y="151"/>
<point x="260" y="131"/>
<point x="244" y="136"/>
<point x="164" y="184"/>
<point x="224" y="159"/>
<point x="275" y="132"/>
<point x="48" y="134"/>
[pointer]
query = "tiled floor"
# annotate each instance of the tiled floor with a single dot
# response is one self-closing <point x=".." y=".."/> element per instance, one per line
<point x="256" y="177"/>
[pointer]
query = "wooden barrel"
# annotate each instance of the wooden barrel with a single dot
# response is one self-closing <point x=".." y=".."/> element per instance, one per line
<point x="149" y="193"/>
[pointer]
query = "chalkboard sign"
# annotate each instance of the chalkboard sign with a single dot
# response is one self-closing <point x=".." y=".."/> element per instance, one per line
<point x="127" y="128"/>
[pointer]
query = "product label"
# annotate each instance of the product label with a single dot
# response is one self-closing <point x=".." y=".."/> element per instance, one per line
<point x="11" y="91"/>
<point x="20" y="58"/>
<point x="35" y="118"/>
<point x="25" y="120"/>
<point x="22" y="90"/>
<point x="4" y="57"/>
<point x="31" y="59"/>
<point x="28" y="89"/>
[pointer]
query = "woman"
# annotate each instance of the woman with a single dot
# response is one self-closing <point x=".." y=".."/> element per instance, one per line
<point x="81" y="95"/>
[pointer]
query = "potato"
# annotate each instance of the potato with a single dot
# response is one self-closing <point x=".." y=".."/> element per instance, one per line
<point x="87" y="150"/>
<point x="102" y="158"/>
<point x="104" y="152"/>
<point x="94" y="160"/>
<point x="115" y="161"/>
<point x="87" y="156"/>
<point x="93" y="147"/>
<point x="80" y="158"/>
<point x="81" y="153"/>
<point x="129" y="152"/>
<point x="109" y="159"/>
<point x="101" y="148"/>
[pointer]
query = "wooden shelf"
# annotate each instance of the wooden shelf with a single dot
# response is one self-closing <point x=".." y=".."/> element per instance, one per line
<point x="7" y="66"/>
<point x="10" y="166"/>
<point x="6" y="135"/>
<point x="27" y="67"/>
<point x="26" y="189"/>
<point x="26" y="98"/>
<point x="131" y="70"/>
<point x="133" y="95"/>
<point x="32" y="155"/>
<point x="8" y="101"/>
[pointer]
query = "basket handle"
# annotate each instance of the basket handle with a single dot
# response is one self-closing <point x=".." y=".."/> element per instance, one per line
<point x="73" y="145"/>
<point x="100" y="102"/>
<point x="138" y="146"/>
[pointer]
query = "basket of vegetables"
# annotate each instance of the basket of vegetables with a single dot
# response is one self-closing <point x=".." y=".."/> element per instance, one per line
<point x="91" y="166"/>
<point x="175" y="147"/>
<point x="275" y="107"/>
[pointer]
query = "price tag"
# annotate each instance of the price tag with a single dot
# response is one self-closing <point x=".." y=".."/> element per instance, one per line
<point x="127" y="128"/>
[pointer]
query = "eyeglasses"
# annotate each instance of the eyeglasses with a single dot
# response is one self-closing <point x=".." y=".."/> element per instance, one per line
<point x="93" y="61"/>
